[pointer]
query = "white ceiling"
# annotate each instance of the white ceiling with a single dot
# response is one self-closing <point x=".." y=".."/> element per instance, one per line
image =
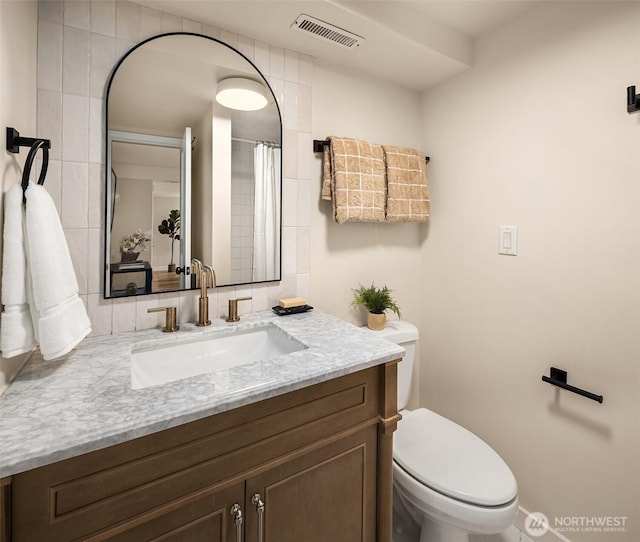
<point x="415" y="43"/>
<point x="471" y="17"/>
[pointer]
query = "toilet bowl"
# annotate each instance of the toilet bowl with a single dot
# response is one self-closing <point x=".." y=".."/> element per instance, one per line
<point x="451" y="482"/>
<point x="447" y="479"/>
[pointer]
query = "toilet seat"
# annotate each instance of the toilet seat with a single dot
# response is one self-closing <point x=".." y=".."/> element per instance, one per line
<point x="451" y="460"/>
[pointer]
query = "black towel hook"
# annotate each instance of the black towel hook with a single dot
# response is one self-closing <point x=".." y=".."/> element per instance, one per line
<point x="13" y="143"/>
<point x="633" y="100"/>
<point x="14" y="140"/>
<point x="26" y="172"/>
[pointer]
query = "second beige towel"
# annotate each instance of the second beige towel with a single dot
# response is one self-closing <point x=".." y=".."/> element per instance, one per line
<point x="408" y="198"/>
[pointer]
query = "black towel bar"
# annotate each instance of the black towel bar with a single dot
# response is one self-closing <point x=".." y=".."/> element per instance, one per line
<point x="15" y="141"/>
<point x="558" y="377"/>
<point x="320" y="144"/>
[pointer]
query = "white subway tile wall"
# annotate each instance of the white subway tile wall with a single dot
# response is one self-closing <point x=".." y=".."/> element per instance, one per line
<point x="242" y="211"/>
<point x="79" y="42"/>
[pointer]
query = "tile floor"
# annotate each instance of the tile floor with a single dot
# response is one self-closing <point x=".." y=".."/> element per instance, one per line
<point x="512" y="534"/>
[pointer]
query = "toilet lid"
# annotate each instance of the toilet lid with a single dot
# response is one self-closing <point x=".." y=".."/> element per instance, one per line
<point x="451" y="460"/>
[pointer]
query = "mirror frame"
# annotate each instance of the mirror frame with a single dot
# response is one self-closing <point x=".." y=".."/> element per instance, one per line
<point x="108" y="217"/>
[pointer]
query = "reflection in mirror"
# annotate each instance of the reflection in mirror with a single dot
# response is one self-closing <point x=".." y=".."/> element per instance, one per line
<point x="148" y="191"/>
<point x="189" y="178"/>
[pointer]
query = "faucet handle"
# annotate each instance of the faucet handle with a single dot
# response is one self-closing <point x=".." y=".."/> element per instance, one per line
<point x="170" y="323"/>
<point x="233" y="309"/>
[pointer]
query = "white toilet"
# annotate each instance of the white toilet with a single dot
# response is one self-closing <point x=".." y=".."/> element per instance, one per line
<point x="447" y="479"/>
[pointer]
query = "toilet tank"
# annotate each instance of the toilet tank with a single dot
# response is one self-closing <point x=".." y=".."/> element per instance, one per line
<point x="404" y="334"/>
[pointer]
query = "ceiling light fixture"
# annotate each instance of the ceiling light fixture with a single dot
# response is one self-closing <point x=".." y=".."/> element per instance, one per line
<point x="242" y="94"/>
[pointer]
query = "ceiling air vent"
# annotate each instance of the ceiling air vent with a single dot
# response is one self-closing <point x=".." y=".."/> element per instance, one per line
<point x="326" y="31"/>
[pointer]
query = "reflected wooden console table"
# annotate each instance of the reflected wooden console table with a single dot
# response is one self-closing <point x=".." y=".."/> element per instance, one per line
<point x="121" y="268"/>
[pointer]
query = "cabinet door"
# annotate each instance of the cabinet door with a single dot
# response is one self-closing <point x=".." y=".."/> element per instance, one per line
<point x="325" y="493"/>
<point x="204" y="517"/>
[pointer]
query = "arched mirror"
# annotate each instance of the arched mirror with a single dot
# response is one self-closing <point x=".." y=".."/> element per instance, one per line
<point x="188" y="177"/>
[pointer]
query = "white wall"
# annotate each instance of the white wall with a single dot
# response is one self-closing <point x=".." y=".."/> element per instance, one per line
<point x="242" y="210"/>
<point x="344" y="256"/>
<point x="201" y="186"/>
<point x="18" y="54"/>
<point x="537" y="135"/>
<point x="221" y="195"/>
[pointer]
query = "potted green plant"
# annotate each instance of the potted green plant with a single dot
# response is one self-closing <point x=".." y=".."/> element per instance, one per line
<point x="171" y="227"/>
<point x="377" y="301"/>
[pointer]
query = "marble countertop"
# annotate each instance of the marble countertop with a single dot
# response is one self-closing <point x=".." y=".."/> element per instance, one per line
<point x="82" y="402"/>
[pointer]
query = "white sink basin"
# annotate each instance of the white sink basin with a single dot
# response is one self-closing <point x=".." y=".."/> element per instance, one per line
<point x="162" y="363"/>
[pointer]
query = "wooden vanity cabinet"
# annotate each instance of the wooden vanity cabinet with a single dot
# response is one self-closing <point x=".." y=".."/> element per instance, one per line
<point x="326" y="495"/>
<point x="203" y="517"/>
<point x="310" y="465"/>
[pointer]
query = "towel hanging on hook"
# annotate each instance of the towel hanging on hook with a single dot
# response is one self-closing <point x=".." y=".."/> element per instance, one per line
<point x="26" y="172"/>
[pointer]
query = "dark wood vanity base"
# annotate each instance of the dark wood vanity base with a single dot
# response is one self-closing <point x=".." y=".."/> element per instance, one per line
<point x="318" y="459"/>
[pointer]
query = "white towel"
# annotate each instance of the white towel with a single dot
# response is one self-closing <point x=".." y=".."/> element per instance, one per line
<point x="16" y="328"/>
<point x="59" y="316"/>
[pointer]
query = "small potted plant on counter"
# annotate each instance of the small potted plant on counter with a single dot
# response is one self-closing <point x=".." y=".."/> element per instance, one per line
<point x="377" y="301"/>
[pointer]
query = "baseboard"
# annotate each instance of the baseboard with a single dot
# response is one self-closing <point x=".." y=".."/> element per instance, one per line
<point x="542" y="534"/>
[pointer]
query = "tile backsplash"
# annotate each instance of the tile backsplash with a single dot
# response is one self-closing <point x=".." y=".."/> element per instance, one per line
<point x="79" y="42"/>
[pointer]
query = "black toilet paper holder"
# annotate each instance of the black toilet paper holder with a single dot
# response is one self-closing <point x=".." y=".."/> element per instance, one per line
<point x="558" y="377"/>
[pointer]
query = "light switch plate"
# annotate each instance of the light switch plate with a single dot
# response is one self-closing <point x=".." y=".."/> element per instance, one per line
<point x="508" y="242"/>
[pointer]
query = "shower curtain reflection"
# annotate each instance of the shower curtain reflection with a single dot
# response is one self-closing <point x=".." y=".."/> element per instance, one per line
<point x="266" y="226"/>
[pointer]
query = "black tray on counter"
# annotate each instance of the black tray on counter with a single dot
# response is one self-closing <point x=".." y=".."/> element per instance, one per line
<point x="281" y="311"/>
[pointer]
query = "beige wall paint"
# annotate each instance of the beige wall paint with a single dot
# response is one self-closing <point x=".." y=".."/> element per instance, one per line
<point x="18" y="53"/>
<point x="342" y="256"/>
<point x="537" y="135"/>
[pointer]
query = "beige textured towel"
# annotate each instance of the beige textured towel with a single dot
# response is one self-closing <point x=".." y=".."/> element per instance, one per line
<point x="408" y="197"/>
<point x="354" y="180"/>
<point x="326" y="174"/>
